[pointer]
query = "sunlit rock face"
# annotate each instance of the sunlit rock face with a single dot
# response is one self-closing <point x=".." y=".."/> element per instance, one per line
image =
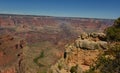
<point x="11" y="52"/>
<point x="92" y="41"/>
<point x="81" y="54"/>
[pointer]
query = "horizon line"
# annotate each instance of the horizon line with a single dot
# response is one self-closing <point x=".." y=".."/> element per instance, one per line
<point x="38" y="15"/>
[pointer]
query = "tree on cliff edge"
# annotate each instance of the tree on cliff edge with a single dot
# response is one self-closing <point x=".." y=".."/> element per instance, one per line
<point x="113" y="32"/>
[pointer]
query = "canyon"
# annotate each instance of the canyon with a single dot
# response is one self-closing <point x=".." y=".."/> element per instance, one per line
<point x="44" y="39"/>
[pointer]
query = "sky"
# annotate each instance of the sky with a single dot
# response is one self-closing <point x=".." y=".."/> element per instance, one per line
<point x="109" y="9"/>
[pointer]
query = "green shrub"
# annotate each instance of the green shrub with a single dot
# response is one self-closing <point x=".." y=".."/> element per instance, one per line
<point x="74" y="69"/>
<point x="113" y="32"/>
<point x="117" y="22"/>
<point x="60" y="67"/>
<point x="111" y="65"/>
<point x="39" y="57"/>
<point x="109" y="62"/>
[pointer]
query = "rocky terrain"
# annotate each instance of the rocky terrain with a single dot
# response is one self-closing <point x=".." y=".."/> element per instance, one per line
<point x="46" y="37"/>
<point x="45" y="28"/>
<point x="25" y="23"/>
<point x="11" y="54"/>
<point x="81" y="54"/>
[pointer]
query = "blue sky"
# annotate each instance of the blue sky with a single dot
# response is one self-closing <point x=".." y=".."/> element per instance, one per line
<point x="67" y="8"/>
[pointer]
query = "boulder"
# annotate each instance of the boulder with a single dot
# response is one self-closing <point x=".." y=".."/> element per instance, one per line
<point x="87" y="44"/>
<point x="87" y="41"/>
<point x="84" y="36"/>
<point x="100" y="36"/>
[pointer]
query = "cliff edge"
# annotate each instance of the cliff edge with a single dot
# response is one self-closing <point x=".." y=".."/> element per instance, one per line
<point x="81" y="54"/>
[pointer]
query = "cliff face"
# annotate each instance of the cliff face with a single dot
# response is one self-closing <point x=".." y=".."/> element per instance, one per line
<point x="81" y="54"/>
<point x="11" y="54"/>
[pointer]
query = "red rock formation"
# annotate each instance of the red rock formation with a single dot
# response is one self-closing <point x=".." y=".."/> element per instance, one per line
<point x="14" y="20"/>
<point x="10" y="53"/>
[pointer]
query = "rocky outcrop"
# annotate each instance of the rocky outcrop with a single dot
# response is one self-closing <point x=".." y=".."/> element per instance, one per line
<point x="11" y="54"/>
<point x="81" y="54"/>
<point x="91" y="41"/>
